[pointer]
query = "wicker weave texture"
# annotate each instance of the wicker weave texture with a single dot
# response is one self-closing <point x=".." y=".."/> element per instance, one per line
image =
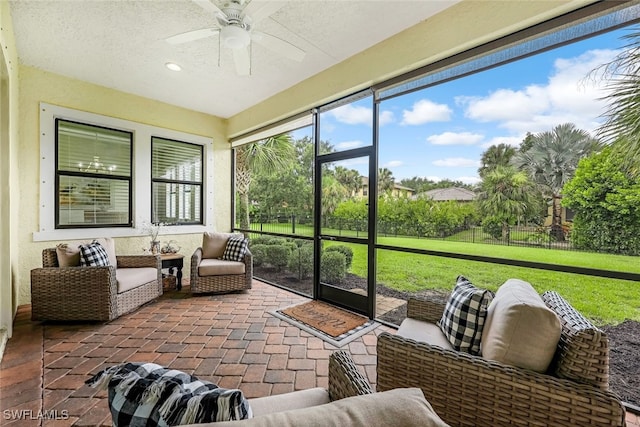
<point x="87" y="293"/>
<point x="223" y="283"/>
<point x="583" y="350"/>
<point x="468" y="390"/>
<point x="344" y="378"/>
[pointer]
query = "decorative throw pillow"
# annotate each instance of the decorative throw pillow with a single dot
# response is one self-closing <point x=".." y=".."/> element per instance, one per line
<point x="464" y="316"/>
<point x="236" y="248"/>
<point x="146" y="394"/>
<point x="93" y="255"/>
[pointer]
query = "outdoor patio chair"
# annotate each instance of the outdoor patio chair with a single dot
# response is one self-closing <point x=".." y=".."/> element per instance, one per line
<point x="99" y="293"/>
<point x="222" y="264"/>
<point x="468" y="390"/>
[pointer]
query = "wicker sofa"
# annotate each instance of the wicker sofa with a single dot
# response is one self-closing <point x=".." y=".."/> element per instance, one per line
<point x="74" y="293"/>
<point x="348" y="401"/>
<point x="212" y="274"/>
<point x="467" y="390"/>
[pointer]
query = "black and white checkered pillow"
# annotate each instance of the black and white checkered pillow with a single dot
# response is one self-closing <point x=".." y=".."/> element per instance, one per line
<point x="146" y="394"/>
<point x="464" y="316"/>
<point x="93" y="255"/>
<point x="236" y="248"/>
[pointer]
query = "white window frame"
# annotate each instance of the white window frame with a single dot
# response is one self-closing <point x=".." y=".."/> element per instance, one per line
<point x="141" y="175"/>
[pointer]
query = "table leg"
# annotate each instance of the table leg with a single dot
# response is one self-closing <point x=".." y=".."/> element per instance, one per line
<point x="179" y="278"/>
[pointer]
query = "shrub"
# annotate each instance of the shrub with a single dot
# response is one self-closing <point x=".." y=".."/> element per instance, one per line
<point x="278" y="255"/>
<point x="346" y="251"/>
<point x="262" y="240"/>
<point x="334" y="267"/>
<point x="492" y="226"/>
<point x="301" y="261"/>
<point x="259" y="252"/>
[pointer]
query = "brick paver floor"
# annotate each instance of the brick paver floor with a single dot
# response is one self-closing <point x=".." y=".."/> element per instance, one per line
<point x="230" y="340"/>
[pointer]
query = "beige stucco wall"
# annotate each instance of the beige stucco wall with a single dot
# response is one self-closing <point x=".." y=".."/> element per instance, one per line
<point x="9" y="184"/>
<point x="38" y="86"/>
<point x="467" y="24"/>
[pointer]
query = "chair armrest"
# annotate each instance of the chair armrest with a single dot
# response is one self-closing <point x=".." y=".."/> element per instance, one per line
<point x="136" y="261"/>
<point x="64" y="281"/>
<point x="471" y="391"/>
<point x="196" y="258"/>
<point x="345" y="380"/>
<point x="427" y="309"/>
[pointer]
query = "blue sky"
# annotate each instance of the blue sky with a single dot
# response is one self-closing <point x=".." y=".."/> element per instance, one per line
<point x="442" y="131"/>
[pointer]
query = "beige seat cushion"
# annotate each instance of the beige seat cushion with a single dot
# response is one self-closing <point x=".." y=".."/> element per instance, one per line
<point x="220" y="267"/>
<point x="405" y="407"/>
<point x="214" y="244"/>
<point x="129" y="278"/>
<point x="287" y="401"/>
<point x="423" y="332"/>
<point x="69" y="253"/>
<point x="520" y="330"/>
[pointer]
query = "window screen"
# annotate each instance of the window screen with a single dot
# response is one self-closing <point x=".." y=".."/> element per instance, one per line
<point x="176" y="182"/>
<point x="93" y="176"/>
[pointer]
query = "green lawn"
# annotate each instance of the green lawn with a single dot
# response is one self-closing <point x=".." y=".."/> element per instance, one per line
<point x="604" y="301"/>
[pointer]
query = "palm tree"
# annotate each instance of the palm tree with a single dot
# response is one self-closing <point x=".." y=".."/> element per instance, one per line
<point x="508" y="195"/>
<point x="385" y="181"/>
<point x="350" y="178"/>
<point x="268" y="156"/>
<point x="551" y="162"/>
<point x="622" y="125"/>
<point x="333" y="192"/>
<point x="494" y="156"/>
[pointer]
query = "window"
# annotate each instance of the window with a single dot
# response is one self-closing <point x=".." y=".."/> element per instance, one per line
<point x="176" y="182"/>
<point x="93" y="176"/>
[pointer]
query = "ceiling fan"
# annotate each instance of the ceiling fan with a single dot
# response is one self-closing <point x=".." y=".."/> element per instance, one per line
<point x="235" y="29"/>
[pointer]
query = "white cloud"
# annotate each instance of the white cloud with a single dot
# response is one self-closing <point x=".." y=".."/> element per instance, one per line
<point x="468" y="179"/>
<point x="386" y="117"/>
<point x="393" y="164"/>
<point x="567" y="96"/>
<point x="456" y="162"/>
<point x="513" y="141"/>
<point x="353" y="115"/>
<point x="453" y="138"/>
<point x="425" y="111"/>
<point x="358" y="115"/>
<point x="348" y="145"/>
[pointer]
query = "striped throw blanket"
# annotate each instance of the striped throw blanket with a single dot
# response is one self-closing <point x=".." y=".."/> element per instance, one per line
<point x="146" y="394"/>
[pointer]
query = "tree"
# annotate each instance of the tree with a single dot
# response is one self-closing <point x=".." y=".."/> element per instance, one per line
<point x="385" y="181"/>
<point x="494" y="156"/>
<point x="606" y="200"/>
<point x="622" y="125"/>
<point x="349" y="178"/>
<point x="507" y="196"/>
<point x="268" y="156"/>
<point x="551" y="162"/>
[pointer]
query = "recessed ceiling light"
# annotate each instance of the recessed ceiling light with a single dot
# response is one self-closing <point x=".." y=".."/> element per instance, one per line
<point x="173" y="66"/>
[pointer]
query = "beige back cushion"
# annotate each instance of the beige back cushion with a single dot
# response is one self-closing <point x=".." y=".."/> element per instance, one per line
<point x="520" y="330"/>
<point x="69" y="253"/>
<point x="213" y="244"/>
<point x="398" y="407"/>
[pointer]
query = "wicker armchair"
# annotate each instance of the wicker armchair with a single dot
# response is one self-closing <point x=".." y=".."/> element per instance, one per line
<point x="88" y="293"/>
<point x="220" y="283"/>
<point x="468" y="390"/>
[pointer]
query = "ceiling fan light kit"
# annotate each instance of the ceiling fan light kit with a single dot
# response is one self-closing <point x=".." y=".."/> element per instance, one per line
<point x="235" y="31"/>
<point x="234" y="37"/>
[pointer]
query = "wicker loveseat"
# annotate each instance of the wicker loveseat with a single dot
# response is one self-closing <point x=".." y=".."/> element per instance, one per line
<point x="467" y="390"/>
<point x="211" y="273"/>
<point x="77" y="293"/>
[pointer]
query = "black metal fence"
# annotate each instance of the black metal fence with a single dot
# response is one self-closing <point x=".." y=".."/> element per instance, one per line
<point x="523" y="236"/>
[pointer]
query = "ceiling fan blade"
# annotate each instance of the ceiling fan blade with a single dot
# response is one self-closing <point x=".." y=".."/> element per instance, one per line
<point x="259" y="10"/>
<point x="192" y="35"/>
<point x="242" y="60"/>
<point x="278" y="45"/>
<point x="209" y="7"/>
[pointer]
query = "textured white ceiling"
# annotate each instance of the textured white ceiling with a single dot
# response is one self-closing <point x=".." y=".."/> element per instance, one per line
<point x="121" y="44"/>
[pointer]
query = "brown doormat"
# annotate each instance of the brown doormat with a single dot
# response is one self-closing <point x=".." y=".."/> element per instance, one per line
<point x="324" y="317"/>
